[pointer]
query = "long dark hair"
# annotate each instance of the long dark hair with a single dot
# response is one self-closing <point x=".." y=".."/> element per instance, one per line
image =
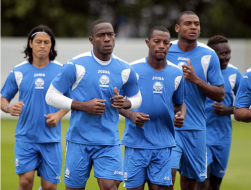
<point x="28" y="49"/>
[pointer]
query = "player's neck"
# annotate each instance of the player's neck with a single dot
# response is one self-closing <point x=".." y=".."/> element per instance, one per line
<point x="186" y="45"/>
<point x="102" y="57"/>
<point x="157" y="65"/>
<point x="40" y="63"/>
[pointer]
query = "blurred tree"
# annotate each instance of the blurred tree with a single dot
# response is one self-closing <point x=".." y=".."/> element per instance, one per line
<point x="131" y="18"/>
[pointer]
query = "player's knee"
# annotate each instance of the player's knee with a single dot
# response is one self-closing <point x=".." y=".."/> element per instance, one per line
<point x="25" y="183"/>
<point x="49" y="186"/>
<point x="215" y="180"/>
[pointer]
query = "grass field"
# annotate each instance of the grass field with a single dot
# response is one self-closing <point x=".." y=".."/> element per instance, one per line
<point x="237" y="175"/>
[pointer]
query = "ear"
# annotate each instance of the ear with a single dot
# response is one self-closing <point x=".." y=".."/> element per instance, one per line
<point x="147" y="42"/>
<point x="30" y="43"/>
<point x="177" y="28"/>
<point x="91" y="39"/>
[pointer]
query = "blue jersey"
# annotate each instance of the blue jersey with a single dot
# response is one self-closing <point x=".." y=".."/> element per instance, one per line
<point x="243" y="97"/>
<point x="32" y="84"/>
<point x="207" y="67"/>
<point x="219" y="128"/>
<point x="88" y="79"/>
<point x="159" y="90"/>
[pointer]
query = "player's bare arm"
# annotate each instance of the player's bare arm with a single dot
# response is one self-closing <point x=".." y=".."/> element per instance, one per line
<point x="180" y="114"/>
<point x="221" y="109"/>
<point x="118" y="100"/>
<point x="138" y="118"/>
<point x="216" y="93"/>
<point x="13" y="109"/>
<point x="242" y="114"/>
<point x="54" y="118"/>
<point x="95" y="106"/>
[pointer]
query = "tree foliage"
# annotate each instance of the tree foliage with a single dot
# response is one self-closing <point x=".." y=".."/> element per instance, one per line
<point x="130" y="18"/>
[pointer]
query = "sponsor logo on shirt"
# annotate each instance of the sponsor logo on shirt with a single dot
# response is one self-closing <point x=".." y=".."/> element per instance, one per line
<point x="166" y="178"/>
<point x="158" y="78"/>
<point x="67" y="173"/>
<point x="182" y="58"/>
<point x="16" y="162"/>
<point x="125" y="176"/>
<point x="104" y="81"/>
<point x="118" y="173"/>
<point x="104" y="71"/>
<point x="39" y="82"/>
<point x="39" y="75"/>
<point x="157" y="86"/>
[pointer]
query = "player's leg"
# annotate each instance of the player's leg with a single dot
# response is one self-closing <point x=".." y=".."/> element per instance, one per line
<point x="159" y="169"/>
<point x="193" y="163"/>
<point x="176" y="157"/>
<point x="108" y="166"/>
<point x="46" y="185"/>
<point x="26" y="161"/>
<point x="78" y="165"/>
<point x="219" y="166"/>
<point x="26" y="180"/>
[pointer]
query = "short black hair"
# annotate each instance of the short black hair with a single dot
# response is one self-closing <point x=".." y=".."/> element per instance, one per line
<point x="160" y="28"/>
<point x="28" y="49"/>
<point x="217" y="39"/>
<point x="184" y="13"/>
<point x="96" y="23"/>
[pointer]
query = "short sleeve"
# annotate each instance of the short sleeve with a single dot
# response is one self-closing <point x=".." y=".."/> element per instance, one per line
<point x="10" y="87"/>
<point x="179" y="93"/>
<point x="214" y="75"/>
<point x="131" y="87"/>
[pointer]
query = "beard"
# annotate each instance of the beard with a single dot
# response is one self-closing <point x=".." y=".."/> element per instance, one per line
<point x="188" y="40"/>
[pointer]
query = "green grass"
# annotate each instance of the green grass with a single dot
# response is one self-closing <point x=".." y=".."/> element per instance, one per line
<point x="237" y="175"/>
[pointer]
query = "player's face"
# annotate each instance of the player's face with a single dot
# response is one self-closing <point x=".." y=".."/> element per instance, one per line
<point x="188" y="27"/>
<point x="103" y="38"/>
<point x="159" y="44"/>
<point x="41" y="46"/>
<point x="223" y="51"/>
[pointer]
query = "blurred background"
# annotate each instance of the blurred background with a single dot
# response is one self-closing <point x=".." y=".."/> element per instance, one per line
<point x="132" y="19"/>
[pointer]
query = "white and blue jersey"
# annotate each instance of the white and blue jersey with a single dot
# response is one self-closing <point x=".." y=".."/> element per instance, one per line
<point x="159" y="90"/>
<point x="243" y="97"/>
<point x="88" y="79"/>
<point x="219" y="128"/>
<point x="207" y="67"/>
<point x="32" y="84"/>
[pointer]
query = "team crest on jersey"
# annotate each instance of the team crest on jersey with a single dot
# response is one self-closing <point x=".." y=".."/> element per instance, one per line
<point x="104" y="81"/>
<point x="39" y="82"/>
<point x="181" y="63"/>
<point x="67" y="173"/>
<point x="157" y="86"/>
<point x="16" y="162"/>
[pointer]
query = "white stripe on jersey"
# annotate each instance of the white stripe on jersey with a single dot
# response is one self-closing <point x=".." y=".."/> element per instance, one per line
<point x="138" y="61"/>
<point x="79" y="75"/>
<point x="177" y="82"/>
<point x="56" y="62"/>
<point x="125" y="75"/>
<point x="24" y="62"/>
<point x="18" y="77"/>
<point x="83" y="55"/>
<point x="205" y="60"/>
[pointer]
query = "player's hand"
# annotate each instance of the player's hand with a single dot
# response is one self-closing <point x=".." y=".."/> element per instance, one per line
<point x="220" y="109"/>
<point x="189" y="73"/>
<point x="139" y="118"/>
<point x="178" y="119"/>
<point x="95" y="106"/>
<point x="16" y="109"/>
<point x="118" y="100"/>
<point x="52" y="119"/>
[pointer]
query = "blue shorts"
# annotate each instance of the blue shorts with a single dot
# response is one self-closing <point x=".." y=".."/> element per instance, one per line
<point x="189" y="156"/>
<point x="106" y="161"/>
<point x="46" y="158"/>
<point x="153" y="165"/>
<point x="217" y="158"/>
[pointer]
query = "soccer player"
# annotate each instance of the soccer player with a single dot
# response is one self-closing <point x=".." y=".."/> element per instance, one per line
<point x="38" y="131"/>
<point x="95" y="80"/>
<point x="202" y="73"/>
<point x="243" y="99"/>
<point x="218" y="123"/>
<point x="149" y="131"/>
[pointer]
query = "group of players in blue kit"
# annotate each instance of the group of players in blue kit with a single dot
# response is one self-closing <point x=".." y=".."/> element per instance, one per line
<point x="177" y="102"/>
